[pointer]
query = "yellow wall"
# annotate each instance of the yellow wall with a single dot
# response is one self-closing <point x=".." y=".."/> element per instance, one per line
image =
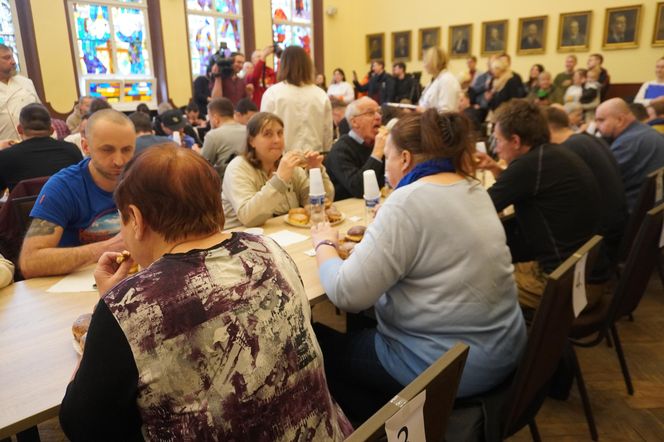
<point x="262" y="23"/>
<point x="176" y="51"/>
<point x="53" y="44"/>
<point x="346" y="31"/>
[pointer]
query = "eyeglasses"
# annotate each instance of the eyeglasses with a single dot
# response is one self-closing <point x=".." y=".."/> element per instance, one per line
<point x="371" y="112"/>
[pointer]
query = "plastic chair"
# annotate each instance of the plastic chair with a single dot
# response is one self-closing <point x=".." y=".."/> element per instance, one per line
<point x="592" y="327"/>
<point x="441" y="381"/>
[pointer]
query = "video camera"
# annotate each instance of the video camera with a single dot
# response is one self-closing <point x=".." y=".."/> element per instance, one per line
<point x="224" y="61"/>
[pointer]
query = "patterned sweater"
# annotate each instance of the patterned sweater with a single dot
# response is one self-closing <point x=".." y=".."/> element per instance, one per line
<point x="223" y="347"/>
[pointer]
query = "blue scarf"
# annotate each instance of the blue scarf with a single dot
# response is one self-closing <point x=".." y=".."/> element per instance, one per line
<point x="426" y="168"/>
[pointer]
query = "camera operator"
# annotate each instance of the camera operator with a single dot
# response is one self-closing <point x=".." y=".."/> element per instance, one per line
<point x="226" y="81"/>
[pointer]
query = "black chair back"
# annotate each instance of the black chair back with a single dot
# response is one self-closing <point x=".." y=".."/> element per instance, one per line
<point x="22" y="208"/>
<point x="639" y="265"/>
<point x="13" y="219"/>
<point x="546" y="341"/>
<point x="648" y="198"/>
<point x="441" y="381"/>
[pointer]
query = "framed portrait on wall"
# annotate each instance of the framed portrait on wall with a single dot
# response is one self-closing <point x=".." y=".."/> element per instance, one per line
<point x="621" y="27"/>
<point x="658" y="32"/>
<point x="429" y="37"/>
<point x="460" y="41"/>
<point x="494" y="37"/>
<point x="574" y="31"/>
<point x="401" y="46"/>
<point x="375" y="47"/>
<point x="531" y="38"/>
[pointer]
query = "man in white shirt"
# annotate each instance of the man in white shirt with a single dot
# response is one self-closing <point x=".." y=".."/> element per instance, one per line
<point x="16" y="91"/>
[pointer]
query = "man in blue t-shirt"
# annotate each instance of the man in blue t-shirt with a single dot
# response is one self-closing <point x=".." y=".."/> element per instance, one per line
<point x="74" y="220"/>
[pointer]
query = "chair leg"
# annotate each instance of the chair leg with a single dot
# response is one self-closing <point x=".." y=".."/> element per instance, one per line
<point x="609" y="341"/>
<point x="660" y="266"/>
<point x="623" y="362"/>
<point x="534" y="432"/>
<point x="29" y="435"/>
<point x="585" y="401"/>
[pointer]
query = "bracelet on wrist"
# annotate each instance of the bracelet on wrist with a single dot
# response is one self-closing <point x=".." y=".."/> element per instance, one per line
<point x="325" y="242"/>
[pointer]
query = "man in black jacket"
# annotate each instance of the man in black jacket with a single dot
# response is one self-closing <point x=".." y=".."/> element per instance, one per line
<point x="357" y="151"/>
<point x="379" y="86"/>
<point x="405" y="86"/>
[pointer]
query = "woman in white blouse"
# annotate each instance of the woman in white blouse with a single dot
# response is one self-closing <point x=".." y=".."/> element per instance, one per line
<point x="444" y="90"/>
<point x="340" y="88"/>
<point x="304" y="108"/>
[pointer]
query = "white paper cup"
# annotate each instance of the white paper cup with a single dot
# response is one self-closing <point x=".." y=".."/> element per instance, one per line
<point x="316" y="182"/>
<point x="371" y="190"/>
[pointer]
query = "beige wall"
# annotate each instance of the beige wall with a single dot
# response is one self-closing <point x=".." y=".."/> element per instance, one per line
<point x="53" y="45"/>
<point x="345" y="32"/>
<point x="176" y="50"/>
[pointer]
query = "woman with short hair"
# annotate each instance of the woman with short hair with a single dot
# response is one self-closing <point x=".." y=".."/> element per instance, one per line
<point x="304" y="107"/>
<point x="435" y="267"/>
<point x="267" y="182"/>
<point x="211" y="340"/>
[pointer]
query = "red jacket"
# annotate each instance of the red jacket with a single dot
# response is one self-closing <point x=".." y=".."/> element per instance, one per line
<point x="260" y="82"/>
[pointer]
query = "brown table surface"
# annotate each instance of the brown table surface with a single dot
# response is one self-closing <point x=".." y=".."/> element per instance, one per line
<point x="37" y="357"/>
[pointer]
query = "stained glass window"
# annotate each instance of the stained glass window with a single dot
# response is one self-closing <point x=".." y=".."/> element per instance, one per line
<point x="291" y="23"/>
<point x="112" y="41"/>
<point x="9" y="35"/>
<point x="212" y="22"/>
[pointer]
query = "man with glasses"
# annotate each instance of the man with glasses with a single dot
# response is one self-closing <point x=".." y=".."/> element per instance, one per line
<point x="359" y="150"/>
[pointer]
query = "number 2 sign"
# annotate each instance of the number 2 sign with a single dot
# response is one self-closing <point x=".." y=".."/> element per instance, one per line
<point x="407" y="424"/>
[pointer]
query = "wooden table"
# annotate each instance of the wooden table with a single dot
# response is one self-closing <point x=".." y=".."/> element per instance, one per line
<point x="307" y="264"/>
<point x="37" y="358"/>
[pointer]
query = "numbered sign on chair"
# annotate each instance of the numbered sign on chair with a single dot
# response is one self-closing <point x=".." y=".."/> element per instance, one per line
<point x="579" y="297"/>
<point x="407" y="424"/>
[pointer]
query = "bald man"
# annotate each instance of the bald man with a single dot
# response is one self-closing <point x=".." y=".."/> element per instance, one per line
<point x="638" y="148"/>
<point x="75" y="220"/>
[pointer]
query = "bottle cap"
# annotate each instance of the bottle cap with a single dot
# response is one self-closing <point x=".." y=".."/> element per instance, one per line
<point x="316" y="183"/>
<point x="371" y="190"/>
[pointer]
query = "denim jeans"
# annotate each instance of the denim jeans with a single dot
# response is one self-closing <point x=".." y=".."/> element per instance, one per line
<point x="355" y="376"/>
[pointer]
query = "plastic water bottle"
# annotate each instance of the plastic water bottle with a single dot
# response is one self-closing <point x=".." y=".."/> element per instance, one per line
<point x="176" y="138"/>
<point x="316" y="197"/>
<point x="371" y="195"/>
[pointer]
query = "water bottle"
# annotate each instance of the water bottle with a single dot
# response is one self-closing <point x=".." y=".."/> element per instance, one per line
<point x="316" y="197"/>
<point x="371" y="195"/>
<point x="176" y="138"/>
